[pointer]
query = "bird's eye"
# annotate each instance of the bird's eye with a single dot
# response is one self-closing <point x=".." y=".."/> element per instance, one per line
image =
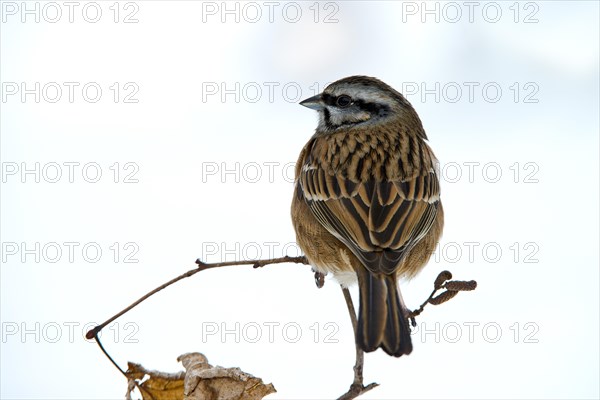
<point x="343" y="101"/>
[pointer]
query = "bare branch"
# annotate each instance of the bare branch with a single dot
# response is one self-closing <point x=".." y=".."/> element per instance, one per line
<point x="357" y="388"/>
<point x="201" y="267"/>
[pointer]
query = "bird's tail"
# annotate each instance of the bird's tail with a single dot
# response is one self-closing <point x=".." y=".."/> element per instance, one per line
<point x="381" y="319"/>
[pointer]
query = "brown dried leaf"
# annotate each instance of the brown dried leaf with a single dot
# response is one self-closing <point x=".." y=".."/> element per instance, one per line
<point x="444" y="297"/>
<point x="205" y="382"/>
<point x="200" y="381"/>
<point x="158" y="386"/>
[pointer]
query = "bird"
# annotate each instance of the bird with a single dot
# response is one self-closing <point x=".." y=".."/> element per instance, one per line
<point x="366" y="204"/>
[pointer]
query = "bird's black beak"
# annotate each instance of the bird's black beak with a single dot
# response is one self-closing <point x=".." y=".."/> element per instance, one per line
<point x="315" y="103"/>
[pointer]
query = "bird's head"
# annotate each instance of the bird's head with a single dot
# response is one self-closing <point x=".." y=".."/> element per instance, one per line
<point x="360" y="101"/>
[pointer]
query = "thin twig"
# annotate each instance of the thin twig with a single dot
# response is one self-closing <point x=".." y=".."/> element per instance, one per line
<point x="119" y="368"/>
<point x="442" y="282"/>
<point x="419" y="310"/>
<point x="201" y="267"/>
<point x="357" y="388"/>
<point x="108" y="356"/>
<point x="255" y="263"/>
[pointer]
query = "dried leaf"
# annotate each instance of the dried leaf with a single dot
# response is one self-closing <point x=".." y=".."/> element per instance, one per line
<point x="158" y="386"/>
<point x="205" y="382"/>
<point x="200" y="381"/>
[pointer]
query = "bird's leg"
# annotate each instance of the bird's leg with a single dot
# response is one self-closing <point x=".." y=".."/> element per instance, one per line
<point x="360" y="356"/>
<point x="357" y="388"/>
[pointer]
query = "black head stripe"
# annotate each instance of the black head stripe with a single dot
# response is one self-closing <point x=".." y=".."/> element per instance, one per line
<point x="327" y="117"/>
<point x="328" y="99"/>
<point x="373" y="108"/>
<point x="376" y="109"/>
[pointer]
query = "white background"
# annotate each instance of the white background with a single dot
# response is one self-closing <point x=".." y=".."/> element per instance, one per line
<point x="530" y="330"/>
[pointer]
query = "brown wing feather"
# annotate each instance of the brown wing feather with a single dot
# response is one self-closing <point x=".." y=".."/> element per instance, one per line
<point x="379" y="220"/>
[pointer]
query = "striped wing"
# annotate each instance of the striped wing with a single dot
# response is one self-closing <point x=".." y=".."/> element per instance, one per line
<point x="379" y="221"/>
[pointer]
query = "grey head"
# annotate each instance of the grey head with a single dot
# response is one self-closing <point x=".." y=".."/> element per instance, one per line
<point x="360" y="101"/>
